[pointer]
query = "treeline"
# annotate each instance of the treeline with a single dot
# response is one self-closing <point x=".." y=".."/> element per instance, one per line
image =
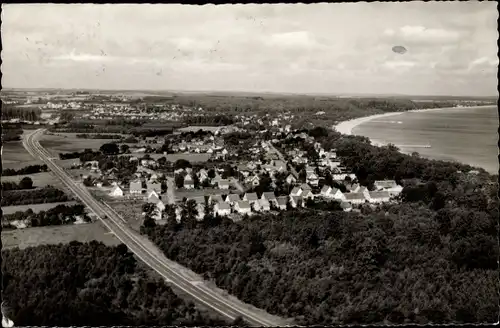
<point x="25" y="183"/>
<point x="25" y="114"/>
<point x="30" y="169"/>
<point x="59" y="215"/>
<point x="90" y="285"/>
<point x="98" y="136"/>
<point x="84" y="156"/>
<point x="43" y="195"/>
<point x="11" y="133"/>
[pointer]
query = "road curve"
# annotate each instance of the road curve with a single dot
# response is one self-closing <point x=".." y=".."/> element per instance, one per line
<point x="227" y="307"/>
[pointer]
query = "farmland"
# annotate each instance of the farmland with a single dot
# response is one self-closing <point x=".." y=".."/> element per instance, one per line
<point x="14" y="155"/>
<point x="35" y="207"/>
<point x="68" y="142"/>
<point x="39" y="179"/>
<point x="27" y="237"/>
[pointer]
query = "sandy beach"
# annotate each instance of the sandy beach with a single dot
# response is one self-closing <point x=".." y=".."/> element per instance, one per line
<point x="346" y="127"/>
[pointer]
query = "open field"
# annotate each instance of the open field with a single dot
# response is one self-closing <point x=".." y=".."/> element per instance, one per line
<point x="35" y="207"/>
<point x="68" y="142"/>
<point x="15" y="156"/>
<point x="39" y="179"/>
<point x="130" y="210"/>
<point x="27" y="237"/>
<point x="191" y="157"/>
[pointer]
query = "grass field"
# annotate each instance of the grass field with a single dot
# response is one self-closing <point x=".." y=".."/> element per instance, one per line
<point x="130" y="210"/>
<point x="68" y="142"/>
<point x="23" y="238"/>
<point x="35" y="207"/>
<point x="39" y="179"/>
<point x="195" y="128"/>
<point x="14" y="155"/>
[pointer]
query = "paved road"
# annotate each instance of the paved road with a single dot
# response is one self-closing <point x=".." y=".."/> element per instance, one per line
<point x="150" y="255"/>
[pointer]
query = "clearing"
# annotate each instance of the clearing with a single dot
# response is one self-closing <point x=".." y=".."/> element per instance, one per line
<point x="35" y="207"/>
<point x="35" y="236"/>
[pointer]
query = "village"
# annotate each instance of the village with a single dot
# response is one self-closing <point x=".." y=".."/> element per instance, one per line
<point x="235" y="179"/>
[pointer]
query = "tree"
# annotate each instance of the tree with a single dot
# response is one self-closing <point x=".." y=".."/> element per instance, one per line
<point x="109" y="149"/>
<point x="189" y="213"/>
<point x="181" y="164"/>
<point x="26" y="183"/>
<point x="179" y="180"/>
<point x="124" y="149"/>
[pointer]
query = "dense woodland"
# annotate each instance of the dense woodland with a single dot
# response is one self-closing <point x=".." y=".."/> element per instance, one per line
<point x="47" y="194"/>
<point x="90" y="285"/>
<point x="59" y="215"/>
<point x="25" y="183"/>
<point x="30" y="169"/>
<point x="430" y="259"/>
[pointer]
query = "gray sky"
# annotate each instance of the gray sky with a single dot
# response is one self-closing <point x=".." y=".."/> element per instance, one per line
<point x="319" y="48"/>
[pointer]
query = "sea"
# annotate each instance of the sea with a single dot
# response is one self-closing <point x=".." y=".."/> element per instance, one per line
<point x="466" y="135"/>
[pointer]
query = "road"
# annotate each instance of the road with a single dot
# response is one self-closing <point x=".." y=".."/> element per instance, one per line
<point x="149" y="254"/>
<point x="280" y="155"/>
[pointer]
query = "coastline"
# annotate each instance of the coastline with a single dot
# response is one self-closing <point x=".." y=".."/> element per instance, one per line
<point x="346" y="127"/>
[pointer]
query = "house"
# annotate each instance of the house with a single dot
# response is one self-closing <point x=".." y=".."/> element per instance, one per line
<point x="352" y="187"/>
<point x="346" y="206"/>
<point x="290" y="179"/>
<point x="281" y="202"/>
<point x="296" y="201"/>
<point x="154" y="187"/>
<point x="135" y="187"/>
<point x="261" y="205"/>
<point x="232" y="198"/>
<point x="279" y="165"/>
<point x="200" y="210"/>
<point x="364" y="191"/>
<point x="312" y="179"/>
<point x="250" y="197"/>
<point x="197" y="199"/>
<point x="203" y="175"/>
<point x="223" y="184"/>
<point x="216" y="179"/>
<point x="269" y="196"/>
<point x="151" y="194"/>
<point x="296" y="192"/>
<point x="388" y="185"/>
<point x="379" y="196"/>
<point x="355" y="198"/>
<point x="339" y="176"/>
<point x="188" y="182"/>
<point x="116" y="192"/>
<point x="254" y="180"/>
<point x="215" y="199"/>
<point x="243" y="207"/>
<point x="222" y="209"/>
<point x="307" y="194"/>
<point x="305" y="187"/>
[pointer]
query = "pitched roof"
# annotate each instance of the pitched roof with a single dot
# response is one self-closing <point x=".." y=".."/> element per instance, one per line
<point x="222" y="206"/>
<point x="354" y="196"/>
<point x="251" y="196"/>
<point x="379" y="194"/>
<point x="233" y="198"/>
<point x="385" y="183"/>
<point x="305" y="186"/>
<point x="269" y="195"/>
<point x="197" y="199"/>
<point x="135" y="185"/>
<point x="215" y="198"/>
<point x="282" y="200"/>
<point x="295" y="190"/>
<point x="325" y="189"/>
<point x="243" y="204"/>
<point x="188" y="178"/>
<point x="223" y="182"/>
<point x="345" y="205"/>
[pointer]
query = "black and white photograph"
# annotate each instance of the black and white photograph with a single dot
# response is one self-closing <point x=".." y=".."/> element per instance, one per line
<point x="250" y="165"/>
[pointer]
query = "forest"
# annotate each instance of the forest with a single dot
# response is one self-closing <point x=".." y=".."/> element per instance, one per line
<point x="25" y="183"/>
<point x="429" y="259"/>
<point x="30" y="169"/>
<point x="59" y="215"/>
<point x="90" y="284"/>
<point x="47" y="194"/>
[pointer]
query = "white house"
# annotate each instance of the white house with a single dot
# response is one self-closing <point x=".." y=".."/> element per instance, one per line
<point x="296" y="201"/>
<point x="222" y="209"/>
<point x="332" y="193"/>
<point x="262" y="205"/>
<point x="269" y="196"/>
<point x="379" y="196"/>
<point x="232" y="199"/>
<point x="254" y="180"/>
<point x="135" y="187"/>
<point x="214" y="199"/>
<point x="154" y="187"/>
<point x="281" y="202"/>
<point x="388" y="185"/>
<point x="116" y="192"/>
<point x="290" y="179"/>
<point x="355" y="197"/>
<point x="312" y="179"/>
<point x="188" y="182"/>
<point x="296" y="192"/>
<point x="243" y="207"/>
<point x="223" y="184"/>
<point x="250" y="197"/>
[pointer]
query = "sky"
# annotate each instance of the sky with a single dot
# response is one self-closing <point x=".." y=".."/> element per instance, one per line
<point x="293" y="48"/>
